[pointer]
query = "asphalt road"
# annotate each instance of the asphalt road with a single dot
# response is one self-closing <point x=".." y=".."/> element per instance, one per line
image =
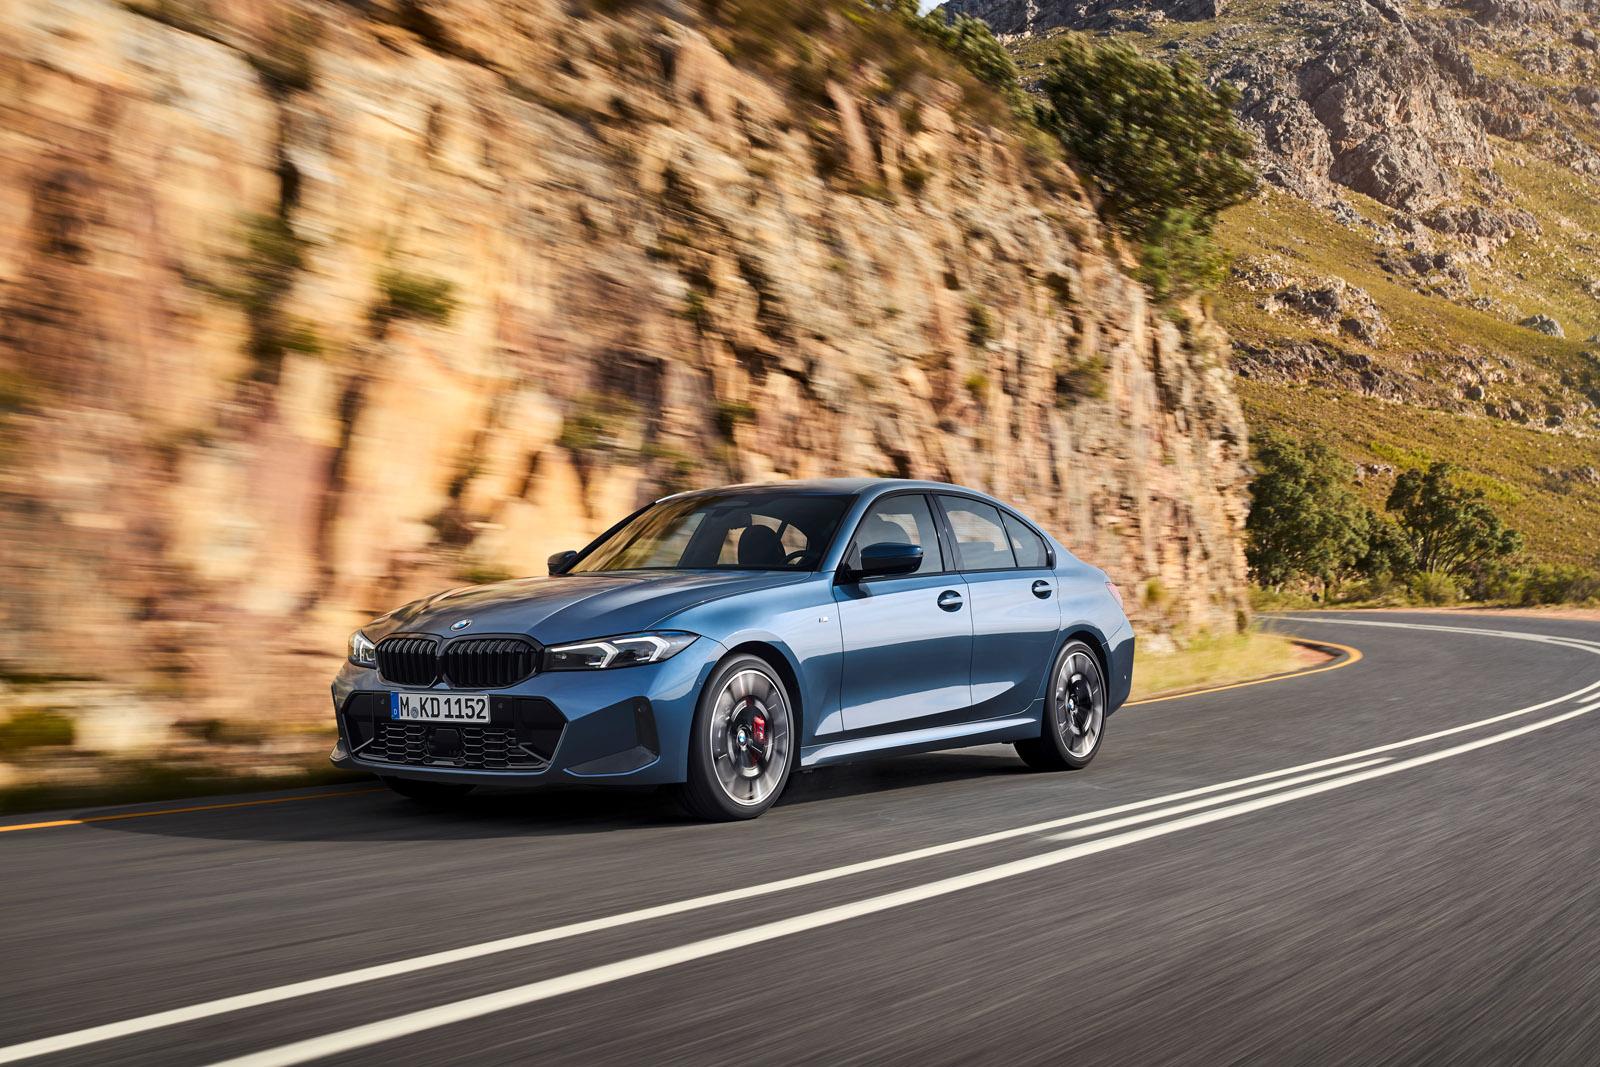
<point x="1437" y="900"/>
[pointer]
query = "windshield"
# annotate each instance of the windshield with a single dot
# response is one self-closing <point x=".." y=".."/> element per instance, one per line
<point x="735" y="531"/>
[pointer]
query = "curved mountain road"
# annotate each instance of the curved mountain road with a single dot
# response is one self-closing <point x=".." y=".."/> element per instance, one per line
<point x="1392" y="861"/>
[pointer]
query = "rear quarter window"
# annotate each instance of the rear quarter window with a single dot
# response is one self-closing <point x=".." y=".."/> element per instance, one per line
<point x="1028" y="546"/>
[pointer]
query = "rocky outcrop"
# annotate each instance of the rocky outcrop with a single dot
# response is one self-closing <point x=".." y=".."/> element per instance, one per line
<point x="1543" y="324"/>
<point x="1037" y="16"/>
<point x="1369" y="100"/>
<point x="308" y="309"/>
<point x="1395" y="131"/>
<point x="1380" y="97"/>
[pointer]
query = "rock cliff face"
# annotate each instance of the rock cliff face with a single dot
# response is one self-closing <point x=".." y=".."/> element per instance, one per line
<point x="308" y="309"/>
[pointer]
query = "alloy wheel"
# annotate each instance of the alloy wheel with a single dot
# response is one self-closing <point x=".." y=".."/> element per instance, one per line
<point x="750" y="737"/>
<point x="1080" y="703"/>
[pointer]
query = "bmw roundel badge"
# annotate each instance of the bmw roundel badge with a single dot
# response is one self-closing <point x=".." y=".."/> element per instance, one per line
<point x="461" y="624"/>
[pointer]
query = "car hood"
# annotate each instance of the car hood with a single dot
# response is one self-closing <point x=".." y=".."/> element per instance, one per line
<point x="572" y="607"/>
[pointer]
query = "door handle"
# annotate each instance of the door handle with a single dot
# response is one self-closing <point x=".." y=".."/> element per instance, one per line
<point x="1041" y="589"/>
<point x="950" y="600"/>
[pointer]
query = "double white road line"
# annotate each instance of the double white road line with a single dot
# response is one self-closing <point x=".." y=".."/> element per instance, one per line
<point x="1095" y="832"/>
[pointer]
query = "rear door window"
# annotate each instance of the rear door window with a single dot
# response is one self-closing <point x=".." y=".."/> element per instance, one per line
<point x="981" y="541"/>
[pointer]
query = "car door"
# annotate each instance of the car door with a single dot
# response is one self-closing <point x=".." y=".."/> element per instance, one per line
<point x="1015" y="614"/>
<point x="907" y="639"/>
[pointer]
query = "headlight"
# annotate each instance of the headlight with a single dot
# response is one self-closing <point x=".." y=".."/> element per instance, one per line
<point x="362" y="652"/>
<point x="629" y="650"/>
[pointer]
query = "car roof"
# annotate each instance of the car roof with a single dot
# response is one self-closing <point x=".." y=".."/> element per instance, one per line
<point x="833" y="486"/>
<point x="868" y="488"/>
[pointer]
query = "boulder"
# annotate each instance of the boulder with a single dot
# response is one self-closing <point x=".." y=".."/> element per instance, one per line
<point x="1543" y="324"/>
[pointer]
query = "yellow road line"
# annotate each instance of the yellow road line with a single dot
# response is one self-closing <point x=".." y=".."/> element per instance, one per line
<point x="1352" y="655"/>
<point x="183" y="811"/>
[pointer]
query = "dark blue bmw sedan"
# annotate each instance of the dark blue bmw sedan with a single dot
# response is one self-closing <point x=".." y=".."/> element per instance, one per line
<point x="716" y="641"/>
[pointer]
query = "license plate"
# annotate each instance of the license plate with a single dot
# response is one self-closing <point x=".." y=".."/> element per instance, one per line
<point x="439" y="707"/>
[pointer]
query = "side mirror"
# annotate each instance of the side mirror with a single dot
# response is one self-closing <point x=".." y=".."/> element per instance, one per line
<point x="889" y="557"/>
<point x="561" y="561"/>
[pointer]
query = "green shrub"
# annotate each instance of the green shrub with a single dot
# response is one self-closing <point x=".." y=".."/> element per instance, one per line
<point x="405" y="295"/>
<point x="272" y="255"/>
<point x="215" y="731"/>
<point x="980" y="324"/>
<point x="1087" y="379"/>
<point x="1178" y="257"/>
<point x="674" y="469"/>
<point x="35" y="728"/>
<point x="1546" y="583"/>
<point x="1163" y="147"/>
<point x="697" y="309"/>
<point x="1434" y="587"/>
<point x="733" y="413"/>
<point x="1381" y="589"/>
<point x="596" y="426"/>
<point x="485" y="574"/>
<point x="1155" y="136"/>
<point x="263" y="273"/>
<point x="971" y="43"/>
<point x="809" y="42"/>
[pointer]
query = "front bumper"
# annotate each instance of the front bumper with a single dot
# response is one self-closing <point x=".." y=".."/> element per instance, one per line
<point x="628" y="726"/>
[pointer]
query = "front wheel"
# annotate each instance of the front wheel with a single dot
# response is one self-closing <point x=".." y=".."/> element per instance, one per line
<point x="742" y="743"/>
<point x="1074" y="714"/>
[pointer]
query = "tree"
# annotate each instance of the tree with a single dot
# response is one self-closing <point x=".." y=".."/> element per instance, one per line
<point x="1163" y="146"/>
<point x="1305" y="521"/>
<point x="1178" y="256"/>
<point x="1451" y="528"/>
<point x="1388" y="553"/>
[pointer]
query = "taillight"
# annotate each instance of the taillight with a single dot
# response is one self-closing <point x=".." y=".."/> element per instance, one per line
<point x="1115" y="593"/>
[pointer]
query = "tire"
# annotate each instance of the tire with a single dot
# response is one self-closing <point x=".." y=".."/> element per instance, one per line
<point x="743" y="743"/>
<point x="1074" y="721"/>
<point x="437" y="794"/>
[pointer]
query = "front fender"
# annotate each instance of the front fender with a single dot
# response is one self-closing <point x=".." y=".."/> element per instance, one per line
<point x="798" y="623"/>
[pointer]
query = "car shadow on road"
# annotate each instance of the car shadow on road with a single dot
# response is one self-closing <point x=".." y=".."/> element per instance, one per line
<point x="894" y="773"/>
<point x="372" y="817"/>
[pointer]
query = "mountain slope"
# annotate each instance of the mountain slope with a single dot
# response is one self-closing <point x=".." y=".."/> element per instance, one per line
<point x="1429" y="236"/>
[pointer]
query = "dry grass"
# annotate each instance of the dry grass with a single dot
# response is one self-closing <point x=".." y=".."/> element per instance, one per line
<point x="1208" y="661"/>
<point x="134" y="782"/>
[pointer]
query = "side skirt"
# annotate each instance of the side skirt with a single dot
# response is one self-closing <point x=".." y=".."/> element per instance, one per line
<point x="926" y="739"/>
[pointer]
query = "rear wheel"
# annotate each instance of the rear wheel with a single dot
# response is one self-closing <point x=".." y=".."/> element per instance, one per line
<point x="436" y="793"/>
<point x="1074" y="714"/>
<point x="742" y="743"/>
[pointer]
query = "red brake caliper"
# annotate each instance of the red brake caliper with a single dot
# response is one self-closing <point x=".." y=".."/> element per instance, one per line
<point x="758" y="733"/>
